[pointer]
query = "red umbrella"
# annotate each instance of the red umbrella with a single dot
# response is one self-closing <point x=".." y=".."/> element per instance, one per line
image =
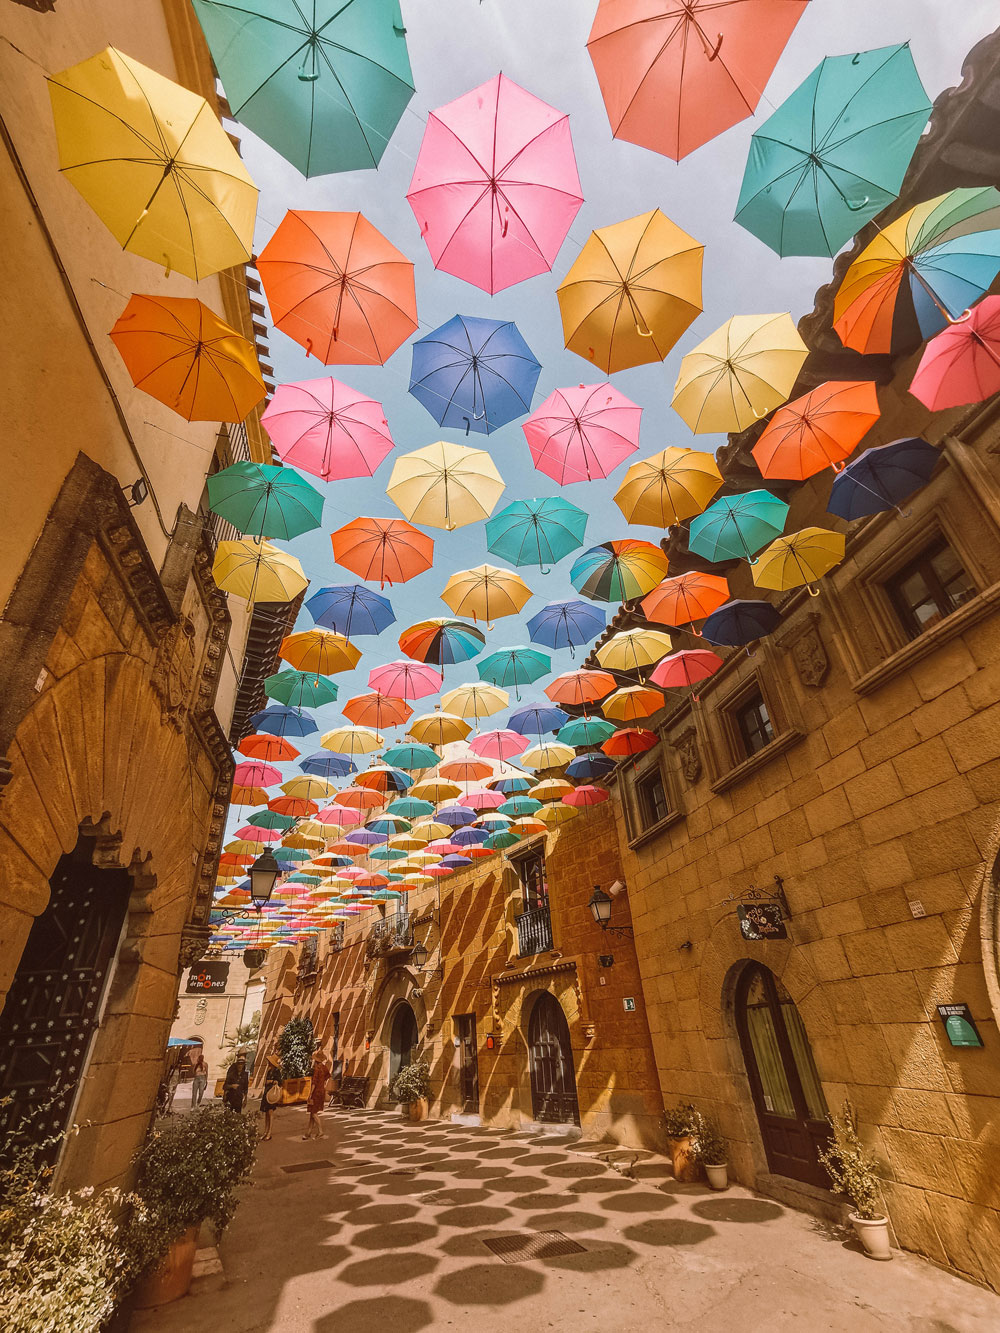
<point x="361" y="798"/>
<point x="465" y="770"/>
<point x="585" y="796"/>
<point x="630" y="740"/>
<point x="256" y="774"/>
<point x="292" y="805"/>
<point x="962" y="364"/>
<point x="388" y="549"/>
<point x="684" y="669"/>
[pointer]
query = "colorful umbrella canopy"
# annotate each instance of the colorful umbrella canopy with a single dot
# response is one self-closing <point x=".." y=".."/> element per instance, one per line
<point x="580" y="687"/>
<point x="411" y="756"/>
<point x="327" y="765"/>
<point x="183" y="355"/>
<point x="465" y="770"/>
<point x="585" y="731"/>
<point x="439" y="728"/>
<point x="550" y="789"/>
<point x="503" y="744"/>
<point x="536" y="532"/>
<point x="281" y="721"/>
<point x="265" y="501"/>
<point x="633" y="649"/>
<point x="582" y="433"/>
<point x="921" y="272"/>
<point x="630" y="740"/>
<point x="741" y="622"/>
<point x="327" y="429"/>
<point x="350" y="609"/>
<point x="255" y="773"/>
<point x="736" y="526"/>
<point x="633" y="703"/>
<point x="300" y="689"/>
<point x="801" y="557"/>
<point x="440" y="640"/>
<point x="272" y="749"/>
<point x="405" y="680"/>
<point x="550" y="754"/>
<point x="515" y="666"/>
<point x="339" y="815"/>
<point x="675" y="73"/>
<point x="387" y="549"/>
<point x="537" y="719"/>
<point x="738" y="373"/>
<point x="593" y="766"/>
<point x="834" y="153"/>
<point x="495" y="188"/>
<point x="508" y="786"/>
<point x="436" y="789"/>
<point x="474" y="373"/>
<point x="882" y="478"/>
<point x="585" y="796"/>
<point x="673" y="485"/>
<point x="486" y="593"/>
<point x="352" y="740"/>
<point x="631" y="292"/>
<point x="475" y="700"/>
<point x="377" y="710"/>
<point x="445" y="485"/>
<point x="338" y="288"/>
<point x="257" y="571"/>
<point x="154" y="163"/>
<point x="817" y="431"/>
<point x="566" y="624"/>
<point x="383" y="778"/>
<point x="686" y="668"/>
<point x="617" y="571"/>
<point x="310" y="787"/>
<point x="962" y="364"/>
<point x="685" y="598"/>
<point x="320" y="651"/>
<point x="325" y="91"/>
<point x="455" y="816"/>
<point x="557" y="813"/>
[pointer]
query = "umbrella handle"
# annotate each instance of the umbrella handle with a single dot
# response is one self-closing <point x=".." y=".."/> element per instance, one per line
<point x="856" y="208"/>
<point x="966" y="315"/>
<point x="718" y="48"/>
<point x="812" y="590"/>
<point x="642" y="329"/>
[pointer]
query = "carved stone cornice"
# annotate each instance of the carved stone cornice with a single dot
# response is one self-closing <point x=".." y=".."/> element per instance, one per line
<point x="194" y="942"/>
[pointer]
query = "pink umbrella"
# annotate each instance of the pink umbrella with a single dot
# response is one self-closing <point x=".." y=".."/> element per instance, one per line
<point x="251" y="833"/>
<point x="327" y="428"/>
<point x="481" y="799"/>
<point x="255" y="774"/>
<point x="585" y="796"/>
<point x="338" y="814"/>
<point x="405" y="680"/>
<point x="499" y="744"/>
<point x="582" y="434"/>
<point x="962" y="364"/>
<point x="680" y="670"/>
<point x="496" y="186"/>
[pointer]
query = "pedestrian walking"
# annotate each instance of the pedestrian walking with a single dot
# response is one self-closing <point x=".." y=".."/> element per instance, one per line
<point x="234" y="1089"/>
<point x="271" y="1096"/>
<point x="199" y="1080"/>
<point x="317" y="1094"/>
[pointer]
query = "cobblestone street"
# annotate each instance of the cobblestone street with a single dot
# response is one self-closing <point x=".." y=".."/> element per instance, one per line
<point x="387" y="1226"/>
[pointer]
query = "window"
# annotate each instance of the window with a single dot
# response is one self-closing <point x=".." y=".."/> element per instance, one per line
<point x="651" y="798"/>
<point x="531" y="872"/>
<point x="929" y="588"/>
<point x="753" y="724"/>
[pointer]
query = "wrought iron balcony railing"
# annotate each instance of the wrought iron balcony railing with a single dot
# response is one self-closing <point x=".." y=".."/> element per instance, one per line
<point x="394" y="934"/>
<point x="534" y="931"/>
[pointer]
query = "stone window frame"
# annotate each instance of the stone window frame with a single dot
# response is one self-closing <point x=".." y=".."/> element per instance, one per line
<point x="638" y="832"/>
<point x="728" y="762"/>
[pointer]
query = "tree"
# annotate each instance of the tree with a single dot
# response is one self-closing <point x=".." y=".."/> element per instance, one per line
<point x="244" y="1040"/>
<point x="296" y="1045"/>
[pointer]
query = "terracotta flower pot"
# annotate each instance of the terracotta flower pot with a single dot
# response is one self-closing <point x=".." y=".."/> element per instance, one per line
<point x="718" y="1175"/>
<point x="418" y="1109"/>
<point x="171" y="1278"/>
<point x="294" y="1090"/>
<point x="873" y="1233"/>
<point x="682" y="1156"/>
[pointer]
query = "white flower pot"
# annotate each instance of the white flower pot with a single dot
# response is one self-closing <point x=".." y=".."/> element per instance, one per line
<point x="873" y="1233"/>
<point x="718" y="1176"/>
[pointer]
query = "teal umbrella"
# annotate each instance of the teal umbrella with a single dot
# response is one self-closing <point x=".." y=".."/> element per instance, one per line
<point x="496" y="842"/>
<point x="300" y="689"/>
<point x="834" y="153"/>
<point x="388" y="853"/>
<point x="408" y="807"/>
<point x="586" y="731"/>
<point x="737" y="526"/>
<point x="536" y="532"/>
<point x="265" y="501"/>
<point x="270" y="819"/>
<point x="324" y="82"/>
<point x="518" y="806"/>
<point x="411" y="755"/>
<point x="514" y="666"/>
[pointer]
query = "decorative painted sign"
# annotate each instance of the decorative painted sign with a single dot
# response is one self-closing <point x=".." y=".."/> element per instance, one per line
<point x="207" y="977"/>
<point x="628" y="1004"/>
<point x="606" y="959"/>
<point x="761" y="921"/>
<point x="959" y="1025"/>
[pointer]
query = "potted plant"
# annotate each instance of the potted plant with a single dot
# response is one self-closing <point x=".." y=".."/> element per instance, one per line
<point x="295" y="1047"/>
<point x="188" y="1172"/>
<point x="410" y="1088"/>
<point x="710" y="1150"/>
<point x="853" y="1169"/>
<point x="678" y="1127"/>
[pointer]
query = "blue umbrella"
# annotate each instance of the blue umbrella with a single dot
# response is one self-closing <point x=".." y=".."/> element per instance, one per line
<point x="882" y="478"/>
<point x="590" y="767"/>
<point x="469" y="837"/>
<point x="566" y="624"/>
<point x="537" y="719"/>
<point x="455" y="816"/>
<point x="280" y="721"/>
<point x="739" y="623"/>
<point x="536" y="532"/>
<point x="453" y="861"/>
<point x="350" y="609"/>
<point x="323" y="764"/>
<point x="509" y="786"/>
<point x="474" y="373"/>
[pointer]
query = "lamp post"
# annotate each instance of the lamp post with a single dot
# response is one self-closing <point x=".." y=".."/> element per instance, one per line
<point x="600" y="909"/>
<point x="263" y="876"/>
<point x="418" y="956"/>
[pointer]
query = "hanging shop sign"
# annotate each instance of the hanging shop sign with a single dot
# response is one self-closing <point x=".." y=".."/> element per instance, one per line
<point x="207" y="978"/>
<point x="761" y="921"/>
<point x="959" y="1025"/>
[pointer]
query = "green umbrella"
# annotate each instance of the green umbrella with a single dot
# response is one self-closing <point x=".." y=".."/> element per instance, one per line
<point x="536" y="532"/>
<point x="270" y="819"/>
<point x="300" y="689"/>
<point x="514" y="666"/>
<point x="265" y="501"/>
<point x="834" y="153"/>
<point x="324" y="82"/>
<point x="586" y="731"/>
<point x="736" y="526"/>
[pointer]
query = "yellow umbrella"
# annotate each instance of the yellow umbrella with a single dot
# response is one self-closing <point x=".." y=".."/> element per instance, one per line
<point x="631" y="292"/>
<point x="547" y="755"/>
<point x="257" y="571"/>
<point x="419" y="859"/>
<point x="312" y="789"/>
<point x="320" y="651"/>
<point x="405" y="842"/>
<point x="434" y="789"/>
<point x="312" y="828"/>
<point x="415" y="879"/>
<point x="439" y="728"/>
<point x="739" y="373"/>
<point x="241" y="847"/>
<point x="486" y="593"/>
<point x="154" y="163"/>
<point x="552" y="789"/>
<point x="558" y="813"/>
<point x="800" y="557"/>
<point x="633" y="649"/>
<point x="475" y="701"/>
<point x="445" y="485"/>
<point x="352" y="740"/>
<point x="298" y="839"/>
<point x="673" y="485"/>
<point x="429" y="829"/>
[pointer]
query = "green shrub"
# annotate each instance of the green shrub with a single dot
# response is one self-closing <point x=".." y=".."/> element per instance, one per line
<point x="678" y="1121"/>
<point x="295" y="1046"/>
<point x="411" y="1083"/>
<point x="853" y="1168"/>
<point x="708" y="1145"/>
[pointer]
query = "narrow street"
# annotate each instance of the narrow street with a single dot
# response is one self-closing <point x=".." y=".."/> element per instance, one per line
<point x="386" y="1225"/>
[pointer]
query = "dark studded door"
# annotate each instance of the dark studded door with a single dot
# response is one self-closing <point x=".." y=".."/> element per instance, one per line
<point x="468" y="1069"/>
<point x="53" y="1006"/>
<point x="786" y="1089"/>
<point x="550" y="1057"/>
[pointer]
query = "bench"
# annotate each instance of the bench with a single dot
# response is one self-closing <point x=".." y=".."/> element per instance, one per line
<point x="352" y="1092"/>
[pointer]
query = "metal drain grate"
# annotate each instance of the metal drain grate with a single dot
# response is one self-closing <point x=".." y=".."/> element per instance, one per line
<point x="537" y="1245"/>
<point x="307" y="1166"/>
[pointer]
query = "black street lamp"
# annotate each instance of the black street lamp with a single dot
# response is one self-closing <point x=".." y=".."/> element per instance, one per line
<point x="263" y="876"/>
<point x="418" y="956"/>
<point x="600" y="910"/>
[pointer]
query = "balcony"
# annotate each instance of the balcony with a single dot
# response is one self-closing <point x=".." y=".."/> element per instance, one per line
<point x="392" y="935"/>
<point x="534" y="931"/>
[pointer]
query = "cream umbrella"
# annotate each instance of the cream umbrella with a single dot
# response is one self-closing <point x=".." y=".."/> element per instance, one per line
<point x="445" y="485"/>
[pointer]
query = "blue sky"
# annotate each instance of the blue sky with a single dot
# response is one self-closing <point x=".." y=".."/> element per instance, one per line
<point x="454" y="46"/>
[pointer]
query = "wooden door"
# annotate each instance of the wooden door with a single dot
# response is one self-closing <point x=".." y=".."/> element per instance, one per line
<point x="468" y="1069"/>
<point x="403" y="1040"/>
<point x="550" y="1058"/>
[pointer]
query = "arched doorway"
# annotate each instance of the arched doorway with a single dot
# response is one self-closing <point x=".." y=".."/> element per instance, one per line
<point x="550" y="1060"/>
<point x="403" y="1039"/>
<point x="786" y="1089"/>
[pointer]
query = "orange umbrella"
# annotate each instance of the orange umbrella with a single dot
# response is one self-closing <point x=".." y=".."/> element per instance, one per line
<point x="248" y="796"/>
<point x="632" y="703"/>
<point x="320" y="651"/>
<point x="183" y="355"/>
<point x="580" y="687"/>
<point x="338" y="287"/>
<point x="292" y="805"/>
<point x="272" y="749"/>
<point x="685" y="598"/>
<point x="818" y="430"/>
<point x="388" y="549"/>
<point x="377" y="710"/>
<point x="466" y="770"/>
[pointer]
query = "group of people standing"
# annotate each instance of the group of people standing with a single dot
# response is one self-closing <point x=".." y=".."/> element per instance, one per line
<point x="236" y="1086"/>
